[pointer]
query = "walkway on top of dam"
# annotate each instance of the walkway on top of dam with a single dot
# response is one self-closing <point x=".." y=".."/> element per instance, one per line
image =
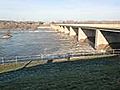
<point x="105" y="27"/>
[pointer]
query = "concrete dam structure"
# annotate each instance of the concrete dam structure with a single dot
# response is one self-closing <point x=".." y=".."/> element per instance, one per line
<point x="101" y="37"/>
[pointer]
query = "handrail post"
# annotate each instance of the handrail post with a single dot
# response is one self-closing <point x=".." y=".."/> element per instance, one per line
<point x="3" y="61"/>
<point x="68" y="58"/>
<point x="16" y="60"/>
<point x="119" y="52"/>
<point x="113" y="51"/>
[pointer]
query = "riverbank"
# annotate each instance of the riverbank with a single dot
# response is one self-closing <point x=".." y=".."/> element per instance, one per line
<point x="19" y="24"/>
<point x="89" y="74"/>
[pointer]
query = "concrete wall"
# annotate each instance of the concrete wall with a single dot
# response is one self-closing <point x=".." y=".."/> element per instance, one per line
<point x="67" y="31"/>
<point x="113" y="38"/>
<point x="81" y="35"/>
<point x="106" y="40"/>
<point x="85" y="35"/>
<point x="100" y="41"/>
<point x="72" y="32"/>
<point x="61" y="29"/>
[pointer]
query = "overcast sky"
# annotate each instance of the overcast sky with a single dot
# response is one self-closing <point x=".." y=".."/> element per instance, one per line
<point x="52" y="10"/>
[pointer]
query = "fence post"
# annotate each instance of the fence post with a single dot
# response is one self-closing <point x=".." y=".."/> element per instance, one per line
<point x="3" y="61"/>
<point x="16" y="60"/>
<point x="68" y="58"/>
<point x="118" y="51"/>
<point x="113" y="51"/>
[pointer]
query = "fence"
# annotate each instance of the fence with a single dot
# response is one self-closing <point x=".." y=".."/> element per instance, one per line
<point x="16" y="59"/>
<point x="114" y="51"/>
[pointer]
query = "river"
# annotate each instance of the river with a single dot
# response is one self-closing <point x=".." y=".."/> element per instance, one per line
<point x="25" y="43"/>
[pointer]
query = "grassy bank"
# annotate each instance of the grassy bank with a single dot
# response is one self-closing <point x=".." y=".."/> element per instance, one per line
<point x="18" y="65"/>
<point x="95" y="74"/>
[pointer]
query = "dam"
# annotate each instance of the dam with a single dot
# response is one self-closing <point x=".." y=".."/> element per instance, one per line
<point x="61" y="39"/>
<point x="101" y="37"/>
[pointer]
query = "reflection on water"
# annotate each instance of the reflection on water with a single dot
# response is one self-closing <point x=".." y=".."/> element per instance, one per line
<point x="35" y="43"/>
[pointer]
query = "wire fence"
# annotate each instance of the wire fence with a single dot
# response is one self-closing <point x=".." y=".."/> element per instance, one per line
<point x="16" y="59"/>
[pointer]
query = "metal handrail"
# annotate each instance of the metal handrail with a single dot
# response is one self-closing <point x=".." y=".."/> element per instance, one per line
<point x="114" y="51"/>
<point x="5" y="60"/>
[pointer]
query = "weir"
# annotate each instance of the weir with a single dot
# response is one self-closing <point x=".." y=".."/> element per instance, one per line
<point x="109" y="40"/>
<point x="67" y="31"/>
<point x="86" y="36"/>
<point x="102" y="37"/>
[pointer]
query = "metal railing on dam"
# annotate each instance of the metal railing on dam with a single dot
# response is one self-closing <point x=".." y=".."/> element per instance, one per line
<point x="17" y="59"/>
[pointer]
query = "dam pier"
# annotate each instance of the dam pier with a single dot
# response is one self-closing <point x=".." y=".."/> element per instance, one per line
<point x="101" y="37"/>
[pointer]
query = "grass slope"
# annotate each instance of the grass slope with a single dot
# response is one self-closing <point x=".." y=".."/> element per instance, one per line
<point x="96" y="74"/>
